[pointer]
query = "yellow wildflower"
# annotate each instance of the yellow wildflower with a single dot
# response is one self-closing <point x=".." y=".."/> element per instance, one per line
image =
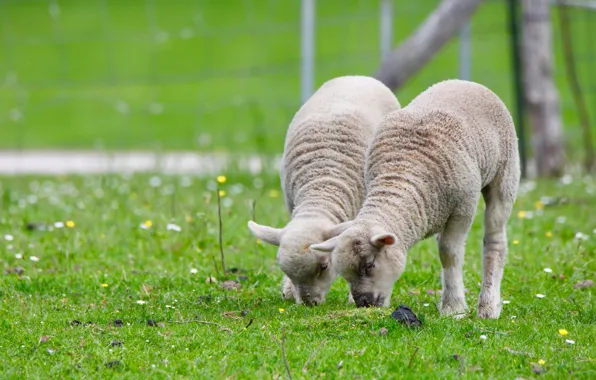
<point x="221" y="179"/>
<point x="70" y="224"/>
<point x="516" y="242"/>
<point x="281" y="310"/>
<point x="563" y="332"/>
<point x="548" y="234"/>
<point x="541" y="362"/>
<point x="148" y="223"/>
<point x="539" y="205"/>
<point x="222" y="193"/>
<point x="188" y="219"/>
<point x="104" y="285"/>
<point x="521" y="214"/>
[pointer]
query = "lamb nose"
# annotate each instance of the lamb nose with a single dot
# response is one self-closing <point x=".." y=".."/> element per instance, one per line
<point x="364" y="299"/>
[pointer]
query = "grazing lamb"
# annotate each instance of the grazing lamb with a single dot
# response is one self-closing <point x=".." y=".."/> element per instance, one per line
<point x="322" y="176"/>
<point x="425" y="170"/>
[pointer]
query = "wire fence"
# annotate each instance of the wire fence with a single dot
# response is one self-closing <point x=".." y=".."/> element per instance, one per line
<point x="212" y="75"/>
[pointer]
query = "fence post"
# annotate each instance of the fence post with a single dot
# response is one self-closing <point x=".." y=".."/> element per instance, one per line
<point x="518" y="85"/>
<point x="465" y="60"/>
<point x="307" y="49"/>
<point x="386" y="27"/>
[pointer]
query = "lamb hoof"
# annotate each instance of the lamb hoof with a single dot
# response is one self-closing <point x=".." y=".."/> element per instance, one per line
<point x="489" y="311"/>
<point x="289" y="290"/>
<point x="457" y="310"/>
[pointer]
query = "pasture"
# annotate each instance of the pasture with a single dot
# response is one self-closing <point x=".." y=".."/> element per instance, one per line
<point x="107" y="276"/>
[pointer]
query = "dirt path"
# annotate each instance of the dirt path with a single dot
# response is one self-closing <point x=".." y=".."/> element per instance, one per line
<point x="53" y="162"/>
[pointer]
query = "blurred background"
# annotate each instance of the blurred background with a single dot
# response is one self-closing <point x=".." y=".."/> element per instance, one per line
<point x="207" y="76"/>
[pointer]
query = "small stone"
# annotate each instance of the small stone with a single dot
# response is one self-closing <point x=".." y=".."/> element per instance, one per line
<point x="584" y="284"/>
<point x="537" y="369"/>
<point x="118" y="323"/>
<point x="230" y="284"/>
<point x="383" y="331"/>
<point x="211" y="280"/>
<point x="17" y="270"/>
<point x="405" y="315"/>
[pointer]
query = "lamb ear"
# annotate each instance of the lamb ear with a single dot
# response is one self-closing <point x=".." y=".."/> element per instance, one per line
<point x="338" y="229"/>
<point x="267" y="234"/>
<point x="326" y="246"/>
<point x="383" y="239"/>
<point x="322" y="256"/>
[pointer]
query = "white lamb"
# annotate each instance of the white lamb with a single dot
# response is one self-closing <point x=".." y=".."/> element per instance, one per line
<point x="322" y="177"/>
<point x="425" y="170"/>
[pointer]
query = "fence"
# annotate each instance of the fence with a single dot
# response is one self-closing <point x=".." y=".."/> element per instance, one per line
<point x="214" y="75"/>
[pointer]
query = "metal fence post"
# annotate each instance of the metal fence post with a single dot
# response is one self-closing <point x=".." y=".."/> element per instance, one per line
<point x="518" y="85"/>
<point x="465" y="61"/>
<point x="386" y="27"/>
<point x="307" y="49"/>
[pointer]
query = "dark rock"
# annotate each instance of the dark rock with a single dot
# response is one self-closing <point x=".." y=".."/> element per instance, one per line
<point x="244" y="313"/>
<point x="116" y="343"/>
<point x="151" y="323"/>
<point x="118" y="323"/>
<point x="405" y="315"/>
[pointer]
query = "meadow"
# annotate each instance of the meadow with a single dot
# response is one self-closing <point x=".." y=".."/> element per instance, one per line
<point x="120" y="276"/>
<point x="216" y="75"/>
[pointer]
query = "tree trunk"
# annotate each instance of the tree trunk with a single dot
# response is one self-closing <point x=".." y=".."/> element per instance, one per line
<point x="425" y="42"/>
<point x="540" y="93"/>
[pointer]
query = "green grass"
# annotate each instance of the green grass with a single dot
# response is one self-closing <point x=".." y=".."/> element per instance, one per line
<point x="107" y="246"/>
<point x="225" y="74"/>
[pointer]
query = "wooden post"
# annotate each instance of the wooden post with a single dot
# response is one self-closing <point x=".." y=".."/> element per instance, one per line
<point x="540" y="93"/>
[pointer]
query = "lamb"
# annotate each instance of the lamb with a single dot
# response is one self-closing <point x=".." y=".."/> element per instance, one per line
<point x="425" y="170"/>
<point x="322" y="178"/>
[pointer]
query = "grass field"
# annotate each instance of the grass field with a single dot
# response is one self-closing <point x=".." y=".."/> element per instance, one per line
<point x="98" y="296"/>
<point x="216" y="75"/>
